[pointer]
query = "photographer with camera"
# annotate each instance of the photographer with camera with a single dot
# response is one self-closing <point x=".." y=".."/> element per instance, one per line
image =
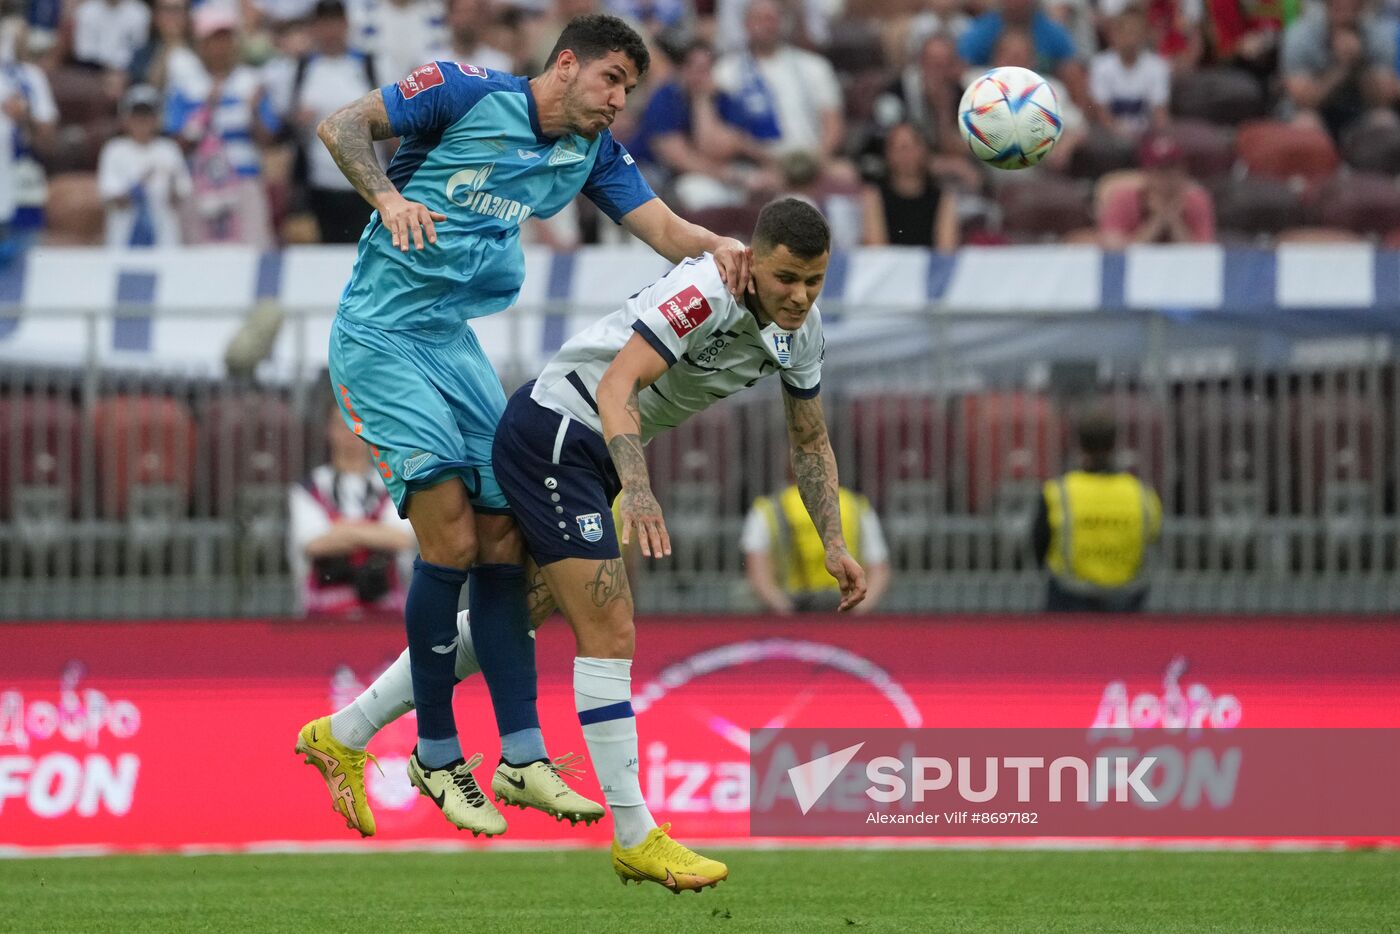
<point x="346" y="537"/>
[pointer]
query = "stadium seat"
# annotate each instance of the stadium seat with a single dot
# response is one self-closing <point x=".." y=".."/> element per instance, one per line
<point x="40" y="457"/>
<point x="737" y="222"/>
<point x="247" y="441"/>
<point x="1102" y="153"/>
<point x="1371" y="147"/>
<point x="81" y="95"/>
<point x="145" y="457"/>
<point x="74" y="211"/>
<point x="1209" y="149"/>
<point x="1334" y="443"/>
<point x="1007" y="438"/>
<point x="855" y="46"/>
<point x="1225" y="96"/>
<point x="1318" y="235"/>
<point x="1367" y="204"/>
<point x="901" y="443"/>
<point x="1259" y="206"/>
<point x="1287" y="152"/>
<point x="1045" y="208"/>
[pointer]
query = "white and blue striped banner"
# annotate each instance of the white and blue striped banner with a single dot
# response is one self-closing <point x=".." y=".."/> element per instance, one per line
<point x="182" y="306"/>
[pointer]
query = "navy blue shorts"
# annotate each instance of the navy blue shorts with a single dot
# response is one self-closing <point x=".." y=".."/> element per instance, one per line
<point x="559" y="480"/>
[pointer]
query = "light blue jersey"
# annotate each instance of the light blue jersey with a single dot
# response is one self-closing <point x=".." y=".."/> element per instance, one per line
<point x="471" y="148"/>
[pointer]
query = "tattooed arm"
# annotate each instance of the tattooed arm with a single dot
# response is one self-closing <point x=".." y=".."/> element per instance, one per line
<point x="814" y="466"/>
<point x="635" y="367"/>
<point x="349" y="135"/>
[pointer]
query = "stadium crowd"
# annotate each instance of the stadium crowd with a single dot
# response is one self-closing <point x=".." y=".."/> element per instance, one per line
<point x="1184" y="120"/>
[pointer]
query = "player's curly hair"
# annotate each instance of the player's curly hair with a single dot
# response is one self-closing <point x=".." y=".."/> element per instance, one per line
<point x="794" y="224"/>
<point x="593" y="36"/>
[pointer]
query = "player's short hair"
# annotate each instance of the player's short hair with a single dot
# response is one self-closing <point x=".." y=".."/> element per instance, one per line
<point x="794" y="224"/>
<point x="593" y="36"/>
<point x="1098" y="433"/>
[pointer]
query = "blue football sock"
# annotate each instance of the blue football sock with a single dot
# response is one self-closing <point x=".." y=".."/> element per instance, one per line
<point x="523" y="746"/>
<point x="500" y="625"/>
<point x="431" y="618"/>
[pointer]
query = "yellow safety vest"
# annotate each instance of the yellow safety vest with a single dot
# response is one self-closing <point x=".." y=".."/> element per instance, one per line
<point x="1100" y="527"/>
<point x="799" y="554"/>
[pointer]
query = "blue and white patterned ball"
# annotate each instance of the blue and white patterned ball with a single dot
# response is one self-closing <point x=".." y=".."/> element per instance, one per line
<point x="1010" y="118"/>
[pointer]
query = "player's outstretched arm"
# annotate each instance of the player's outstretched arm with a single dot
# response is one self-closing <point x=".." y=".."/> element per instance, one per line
<point x="634" y="368"/>
<point x="349" y="134"/>
<point x="814" y="465"/>
<point x="676" y="238"/>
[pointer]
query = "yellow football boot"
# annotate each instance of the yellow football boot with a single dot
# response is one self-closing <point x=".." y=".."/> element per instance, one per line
<point x="343" y="769"/>
<point x="662" y="860"/>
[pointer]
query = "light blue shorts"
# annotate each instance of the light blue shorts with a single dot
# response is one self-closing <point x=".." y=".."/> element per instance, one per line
<point x="426" y="402"/>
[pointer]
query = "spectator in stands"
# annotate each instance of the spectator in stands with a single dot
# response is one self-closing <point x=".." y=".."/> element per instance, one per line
<point x="142" y="177"/>
<point x="926" y="94"/>
<point x="938" y="18"/>
<point x="908" y="207"/>
<point x="468" y="23"/>
<point x="167" y="58"/>
<point x="1129" y="84"/>
<point x="1245" y="34"/>
<point x="785" y="97"/>
<point x="346" y="539"/>
<point x="1338" y="61"/>
<point x="654" y="16"/>
<point x="837" y="195"/>
<point x="399" y="35"/>
<point x="222" y="115"/>
<point x="1173" y="28"/>
<point x="1054" y="52"/>
<point x="1017" y="47"/>
<point x="807" y="23"/>
<point x="108" y="33"/>
<point x="785" y="560"/>
<point x="28" y="125"/>
<point x="1093" y="527"/>
<point x="323" y="81"/>
<point x="682" y="140"/>
<point x="1161" y="205"/>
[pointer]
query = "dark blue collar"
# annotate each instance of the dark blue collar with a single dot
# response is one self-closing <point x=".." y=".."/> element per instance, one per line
<point x="534" y="113"/>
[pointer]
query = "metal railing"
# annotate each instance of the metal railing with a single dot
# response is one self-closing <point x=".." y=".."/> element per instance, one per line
<point x="141" y="493"/>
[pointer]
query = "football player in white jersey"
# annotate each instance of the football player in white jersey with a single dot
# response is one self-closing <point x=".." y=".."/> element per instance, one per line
<point x="571" y="441"/>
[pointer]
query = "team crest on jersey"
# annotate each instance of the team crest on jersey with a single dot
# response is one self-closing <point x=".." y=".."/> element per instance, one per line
<point x="590" y="526"/>
<point x="564" y="153"/>
<point x="782" y="346"/>
<point x="472" y="71"/>
<point x="686" y="311"/>
<point x="420" y="79"/>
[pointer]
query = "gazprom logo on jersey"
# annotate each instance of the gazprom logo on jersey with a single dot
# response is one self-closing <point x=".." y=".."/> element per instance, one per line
<point x="782" y="345"/>
<point x="464" y="189"/>
<point x="590" y="526"/>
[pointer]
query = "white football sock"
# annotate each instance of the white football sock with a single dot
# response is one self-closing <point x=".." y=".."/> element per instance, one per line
<point x="603" y="698"/>
<point x="391" y="694"/>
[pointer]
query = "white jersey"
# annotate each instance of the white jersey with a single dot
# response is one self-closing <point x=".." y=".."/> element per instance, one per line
<point x="714" y="346"/>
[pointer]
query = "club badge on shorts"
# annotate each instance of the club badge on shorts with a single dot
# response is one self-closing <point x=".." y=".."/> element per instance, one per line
<point x="590" y="526"/>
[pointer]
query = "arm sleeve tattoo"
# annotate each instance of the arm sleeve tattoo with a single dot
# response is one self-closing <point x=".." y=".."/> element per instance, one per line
<point x="814" y="465"/>
<point x="349" y="135"/>
<point x="626" y="447"/>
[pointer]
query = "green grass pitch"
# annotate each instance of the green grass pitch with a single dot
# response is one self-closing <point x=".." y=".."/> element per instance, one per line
<point x="803" y="891"/>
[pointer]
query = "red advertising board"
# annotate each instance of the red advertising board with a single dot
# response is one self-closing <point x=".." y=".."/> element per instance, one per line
<point x="180" y="734"/>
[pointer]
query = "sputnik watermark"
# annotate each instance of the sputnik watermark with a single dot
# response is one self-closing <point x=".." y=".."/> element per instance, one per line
<point x="1235" y="782"/>
<point x="811" y="779"/>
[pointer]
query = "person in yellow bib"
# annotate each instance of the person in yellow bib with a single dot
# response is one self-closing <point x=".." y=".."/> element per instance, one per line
<point x="1093" y="529"/>
<point x="785" y="560"/>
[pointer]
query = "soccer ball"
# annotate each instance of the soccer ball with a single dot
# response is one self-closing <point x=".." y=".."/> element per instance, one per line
<point x="1010" y="118"/>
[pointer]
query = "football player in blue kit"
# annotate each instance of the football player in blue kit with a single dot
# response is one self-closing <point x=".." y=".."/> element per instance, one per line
<point x="480" y="152"/>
